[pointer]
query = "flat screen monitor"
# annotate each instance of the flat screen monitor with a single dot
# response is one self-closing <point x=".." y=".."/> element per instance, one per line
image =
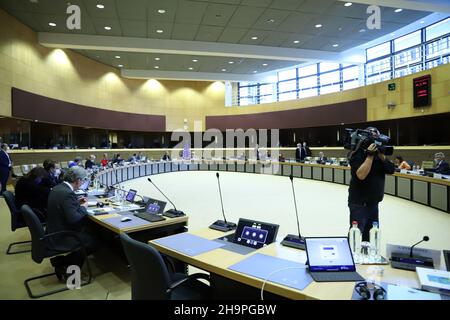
<point x="329" y="254"/>
<point x="155" y="206"/>
<point x="131" y="195"/>
<point x="255" y="234"/>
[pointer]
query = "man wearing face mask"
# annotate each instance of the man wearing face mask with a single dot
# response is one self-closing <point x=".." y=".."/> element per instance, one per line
<point x="366" y="190"/>
<point x="32" y="191"/>
<point x="53" y="174"/>
<point x="442" y="166"/>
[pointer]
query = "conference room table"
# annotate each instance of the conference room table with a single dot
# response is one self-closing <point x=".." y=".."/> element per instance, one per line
<point x="230" y="284"/>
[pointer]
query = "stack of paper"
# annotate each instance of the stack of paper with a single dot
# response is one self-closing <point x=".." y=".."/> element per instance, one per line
<point x="434" y="280"/>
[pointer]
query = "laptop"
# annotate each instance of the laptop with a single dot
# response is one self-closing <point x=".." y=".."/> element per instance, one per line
<point x="131" y="195"/>
<point x="330" y="259"/>
<point x="152" y="211"/>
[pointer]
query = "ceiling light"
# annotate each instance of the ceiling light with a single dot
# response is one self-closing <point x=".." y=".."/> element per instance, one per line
<point x="161" y="11"/>
<point x="422" y="21"/>
<point x="296" y="41"/>
<point x="194" y="60"/>
<point x="265" y="64"/>
<point x="190" y="68"/>
<point x="100" y="6"/>
<point x="362" y="30"/>
<point x="156" y="67"/>
<point x="335" y="45"/>
<point x="230" y="62"/>
<point x="159" y="31"/>
<point x="52" y="24"/>
<point x="117" y="57"/>
<point x="224" y="70"/>
<point x="270" y="20"/>
<point x="108" y="28"/>
<point x="120" y="65"/>
<point x="392" y="34"/>
<point x="254" y="38"/>
<point x="398" y="10"/>
<point x="347" y="4"/>
<point x="157" y="59"/>
<point x="255" y="71"/>
<point x="318" y="25"/>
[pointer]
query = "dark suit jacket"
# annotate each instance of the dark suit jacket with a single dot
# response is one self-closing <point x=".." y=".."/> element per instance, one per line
<point x="300" y="154"/>
<point x="4" y="161"/>
<point x="64" y="213"/>
<point x="442" y="168"/>
<point x="30" y="193"/>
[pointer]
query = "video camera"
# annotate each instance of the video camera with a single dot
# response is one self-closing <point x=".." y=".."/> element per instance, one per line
<point x="360" y="138"/>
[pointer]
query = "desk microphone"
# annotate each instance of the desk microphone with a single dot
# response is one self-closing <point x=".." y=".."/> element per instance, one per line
<point x="292" y="240"/>
<point x="411" y="261"/>
<point x="425" y="238"/>
<point x="222" y="225"/>
<point x="172" y="213"/>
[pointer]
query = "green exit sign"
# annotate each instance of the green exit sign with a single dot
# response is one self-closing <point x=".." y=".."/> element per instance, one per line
<point x="391" y="86"/>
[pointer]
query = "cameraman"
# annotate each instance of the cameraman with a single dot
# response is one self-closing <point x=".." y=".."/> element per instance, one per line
<point x="368" y="169"/>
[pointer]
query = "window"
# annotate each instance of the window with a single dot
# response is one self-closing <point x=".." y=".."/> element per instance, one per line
<point x="329" y="77"/>
<point x="265" y="89"/>
<point x="350" y="73"/>
<point x="287" y="96"/>
<point x="407" y="41"/>
<point x="287" y="74"/>
<point x="350" y="84"/>
<point x="326" y="66"/>
<point x="437" y="29"/>
<point x="287" y="86"/>
<point x="378" y="66"/>
<point x="378" y="51"/>
<point x="307" y="71"/>
<point x="309" y="82"/>
<point x="330" y="89"/>
<point x="308" y="93"/>
<point x="407" y="57"/>
<point x="438" y="48"/>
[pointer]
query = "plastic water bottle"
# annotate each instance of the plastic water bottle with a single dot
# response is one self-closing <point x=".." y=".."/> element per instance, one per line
<point x="374" y="237"/>
<point x="355" y="241"/>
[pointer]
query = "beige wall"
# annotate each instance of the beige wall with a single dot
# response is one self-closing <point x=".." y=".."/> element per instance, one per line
<point x="66" y="75"/>
<point x="69" y="76"/>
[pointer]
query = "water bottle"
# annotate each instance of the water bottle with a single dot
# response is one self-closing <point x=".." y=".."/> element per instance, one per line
<point x="374" y="237"/>
<point x="355" y="241"/>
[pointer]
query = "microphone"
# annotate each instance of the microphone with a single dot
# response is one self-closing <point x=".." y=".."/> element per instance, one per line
<point x="425" y="238"/>
<point x="172" y="213"/>
<point x="222" y="225"/>
<point x="292" y="240"/>
<point x="411" y="261"/>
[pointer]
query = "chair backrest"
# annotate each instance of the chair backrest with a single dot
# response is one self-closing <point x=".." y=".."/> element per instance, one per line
<point x="16" y="216"/>
<point x="38" y="248"/>
<point x="149" y="275"/>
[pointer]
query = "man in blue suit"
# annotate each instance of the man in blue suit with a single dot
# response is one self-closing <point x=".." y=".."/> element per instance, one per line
<point x="5" y="166"/>
<point x="442" y="166"/>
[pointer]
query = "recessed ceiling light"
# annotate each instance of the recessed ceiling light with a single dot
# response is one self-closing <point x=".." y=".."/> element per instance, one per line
<point x="157" y="59"/>
<point x="230" y="62"/>
<point x="52" y="24"/>
<point x="318" y="25"/>
<point x="254" y="38"/>
<point x="100" y="6"/>
<point x="265" y="64"/>
<point x="392" y="34"/>
<point x="422" y="21"/>
<point x="159" y="31"/>
<point x="270" y="20"/>
<point x="161" y="11"/>
<point x="335" y="45"/>
<point x="108" y="28"/>
<point x="190" y="68"/>
<point x="120" y="65"/>
<point x="398" y="10"/>
<point x="194" y="60"/>
<point x="362" y="30"/>
<point x="296" y="41"/>
<point x="224" y="70"/>
<point x="156" y="67"/>
<point x="347" y="4"/>
<point x="117" y="57"/>
<point x="255" y="71"/>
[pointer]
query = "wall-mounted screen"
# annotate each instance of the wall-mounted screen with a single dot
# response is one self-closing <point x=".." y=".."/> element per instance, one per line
<point x="422" y="91"/>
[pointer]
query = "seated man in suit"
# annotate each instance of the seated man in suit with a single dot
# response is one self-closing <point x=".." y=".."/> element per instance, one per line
<point x="90" y="162"/>
<point x="442" y="166"/>
<point x="53" y="177"/>
<point x="33" y="191"/>
<point x="322" y="158"/>
<point x="66" y="212"/>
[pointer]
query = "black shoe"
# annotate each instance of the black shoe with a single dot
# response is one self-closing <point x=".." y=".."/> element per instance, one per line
<point x="61" y="273"/>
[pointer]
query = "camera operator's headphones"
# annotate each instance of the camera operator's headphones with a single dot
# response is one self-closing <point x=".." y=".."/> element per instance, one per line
<point x="100" y="204"/>
<point x="363" y="290"/>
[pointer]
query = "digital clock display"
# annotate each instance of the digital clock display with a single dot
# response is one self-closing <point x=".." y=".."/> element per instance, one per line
<point x="422" y="91"/>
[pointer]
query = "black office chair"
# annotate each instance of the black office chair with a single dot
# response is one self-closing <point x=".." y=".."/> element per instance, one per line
<point x="151" y="280"/>
<point x="41" y="249"/>
<point x="16" y="221"/>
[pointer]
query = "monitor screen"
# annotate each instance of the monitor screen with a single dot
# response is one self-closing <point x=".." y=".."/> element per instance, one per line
<point x="155" y="206"/>
<point x="329" y="254"/>
<point x="130" y="195"/>
<point x="255" y="234"/>
<point x="85" y="185"/>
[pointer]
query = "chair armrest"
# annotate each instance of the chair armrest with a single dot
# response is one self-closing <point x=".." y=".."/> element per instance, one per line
<point x="192" y="277"/>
